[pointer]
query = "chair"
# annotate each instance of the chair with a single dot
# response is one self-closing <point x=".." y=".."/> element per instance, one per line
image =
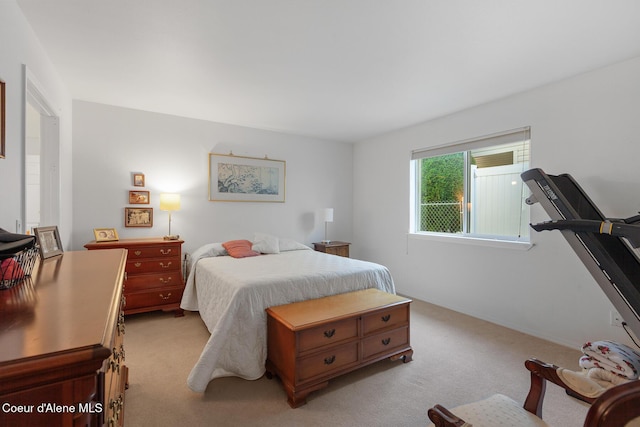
<point x="613" y="408"/>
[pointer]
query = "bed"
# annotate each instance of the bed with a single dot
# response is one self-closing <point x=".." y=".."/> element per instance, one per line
<point x="232" y="294"/>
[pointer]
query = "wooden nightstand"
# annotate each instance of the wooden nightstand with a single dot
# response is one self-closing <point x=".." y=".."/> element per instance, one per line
<point x="154" y="273"/>
<point x="333" y="248"/>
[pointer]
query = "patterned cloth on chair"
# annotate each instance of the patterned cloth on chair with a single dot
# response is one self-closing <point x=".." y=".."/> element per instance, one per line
<point x="611" y="356"/>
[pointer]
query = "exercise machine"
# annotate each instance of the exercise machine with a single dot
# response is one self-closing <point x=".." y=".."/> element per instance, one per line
<point x="606" y="246"/>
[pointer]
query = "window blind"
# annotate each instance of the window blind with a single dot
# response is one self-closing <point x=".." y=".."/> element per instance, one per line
<point x="507" y="137"/>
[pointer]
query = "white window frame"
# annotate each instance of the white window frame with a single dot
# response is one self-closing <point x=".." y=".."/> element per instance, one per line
<point x="496" y="139"/>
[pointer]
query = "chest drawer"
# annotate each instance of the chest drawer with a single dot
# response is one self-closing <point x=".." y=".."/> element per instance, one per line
<point x="150" y="281"/>
<point x="327" y="334"/>
<point x="385" y="341"/>
<point x="153" y="298"/>
<point x="153" y="265"/>
<point x="326" y="362"/>
<point x="154" y="252"/>
<point x="382" y="319"/>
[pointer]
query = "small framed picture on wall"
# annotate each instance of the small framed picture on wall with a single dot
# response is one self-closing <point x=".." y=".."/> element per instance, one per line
<point x="138" y="180"/>
<point x="138" y="217"/>
<point x="138" y="197"/>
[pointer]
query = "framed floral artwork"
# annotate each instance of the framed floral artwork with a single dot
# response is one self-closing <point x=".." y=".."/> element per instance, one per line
<point x="246" y="179"/>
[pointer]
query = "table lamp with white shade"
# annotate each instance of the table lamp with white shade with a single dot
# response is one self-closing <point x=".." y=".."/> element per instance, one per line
<point x="328" y="217"/>
<point x="170" y="202"/>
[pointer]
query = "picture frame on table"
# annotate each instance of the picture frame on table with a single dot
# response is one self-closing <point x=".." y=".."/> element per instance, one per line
<point x="49" y="242"/>
<point x="105" y="234"/>
<point x="138" y="217"/>
<point x="246" y="179"/>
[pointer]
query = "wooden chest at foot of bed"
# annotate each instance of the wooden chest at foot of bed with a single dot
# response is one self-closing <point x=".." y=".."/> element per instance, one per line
<point x="310" y="342"/>
<point x="154" y="278"/>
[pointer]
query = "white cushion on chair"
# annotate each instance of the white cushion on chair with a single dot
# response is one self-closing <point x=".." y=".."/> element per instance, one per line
<point x="497" y="410"/>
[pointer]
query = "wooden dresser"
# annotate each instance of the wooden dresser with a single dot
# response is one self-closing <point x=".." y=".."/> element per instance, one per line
<point x="333" y="248"/>
<point x="154" y="278"/>
<point x="310" y="342"/>
<point x="61" y="343"/>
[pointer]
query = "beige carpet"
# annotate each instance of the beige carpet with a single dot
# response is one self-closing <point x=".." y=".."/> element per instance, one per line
<point x="457" y="359"/>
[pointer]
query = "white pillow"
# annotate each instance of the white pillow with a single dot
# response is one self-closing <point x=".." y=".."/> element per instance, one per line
<point x="292" y="245"/>
<point x="265" y="243"/>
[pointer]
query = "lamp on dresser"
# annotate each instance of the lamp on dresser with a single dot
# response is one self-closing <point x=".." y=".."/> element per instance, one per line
<point x="170" y="202"/>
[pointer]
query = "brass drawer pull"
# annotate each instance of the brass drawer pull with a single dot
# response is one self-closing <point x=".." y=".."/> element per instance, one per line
<point x="329" y="360"/>
<point x="163" y="280"/>
<point x="165" y="252"/>
<point x="386" y="341"/>
<point x="167" y="297"/>
<point x="165" y="266"/>
<point x="329" y="333"/>
<point x="386" y="318"/>
<point x="138" y="264"/>
<point x="138" y="253"/>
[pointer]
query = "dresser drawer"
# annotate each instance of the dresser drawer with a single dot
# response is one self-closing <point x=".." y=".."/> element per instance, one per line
<point x="150" y="281"/>
<point x="385" y="341"/>
<point x="385" y="319"/>
<point x="153" y="265"/>
<point x="327" y="334"/>
<point x="153" y="298"/>
<point x="327" y="361"/>
<point x="154" y="251"/>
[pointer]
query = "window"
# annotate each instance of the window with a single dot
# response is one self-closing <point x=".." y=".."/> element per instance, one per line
<point x="473" y="188"/>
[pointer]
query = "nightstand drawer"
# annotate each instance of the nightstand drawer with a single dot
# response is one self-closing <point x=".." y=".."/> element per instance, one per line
<point x="328" y="361"/>
<point x="154" y="252"/>
<point x="153" y="266"/>
<point x="150" y="281"/>
<point x="333" y="248"/>
<point x="385" y="319"/>
<point x="327" y="334"/>
<point x="382" y="343"/>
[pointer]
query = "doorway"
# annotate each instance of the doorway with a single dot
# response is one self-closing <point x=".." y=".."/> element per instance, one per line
<point x="42" y="159"/>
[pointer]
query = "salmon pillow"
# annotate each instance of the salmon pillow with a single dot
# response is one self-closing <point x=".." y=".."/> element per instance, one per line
<point x="239" y="248"/>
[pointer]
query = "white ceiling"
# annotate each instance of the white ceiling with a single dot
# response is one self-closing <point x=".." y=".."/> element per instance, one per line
<point x="340" y="70"/>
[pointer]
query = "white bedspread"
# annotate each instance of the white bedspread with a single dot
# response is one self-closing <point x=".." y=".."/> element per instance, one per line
<point x="232" y="295"/>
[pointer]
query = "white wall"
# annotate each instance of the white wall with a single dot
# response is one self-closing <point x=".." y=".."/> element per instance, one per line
<point x="587" y="126"/>
<point x="20" y="47"/>
<point x="111" y="143"/>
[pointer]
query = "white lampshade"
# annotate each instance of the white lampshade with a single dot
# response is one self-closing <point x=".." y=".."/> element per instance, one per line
<point x="328" y="215"/>
<point x="169" y="202"/>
